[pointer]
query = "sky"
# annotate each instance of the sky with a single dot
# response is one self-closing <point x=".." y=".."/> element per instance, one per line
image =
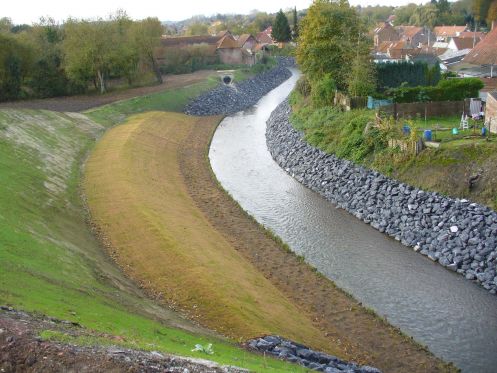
<point x="29" y="11"/>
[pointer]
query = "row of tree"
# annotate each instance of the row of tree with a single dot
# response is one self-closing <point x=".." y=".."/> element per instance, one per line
<point x="50" y="59"/>
<point x="434" y="13"/>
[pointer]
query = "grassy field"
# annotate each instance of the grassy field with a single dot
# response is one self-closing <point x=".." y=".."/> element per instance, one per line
<point x="136" y="192"/>
<point x="168" y="100"/>
<point x="50" y="262"/>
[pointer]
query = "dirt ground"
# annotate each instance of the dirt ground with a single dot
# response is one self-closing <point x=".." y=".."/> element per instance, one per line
<point x="365" y="337"/>
<point x="84" y="102"/>
<point x="22" y="350"/>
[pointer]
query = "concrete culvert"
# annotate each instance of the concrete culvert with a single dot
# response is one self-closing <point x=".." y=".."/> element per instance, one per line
<point x="227" y="79"/>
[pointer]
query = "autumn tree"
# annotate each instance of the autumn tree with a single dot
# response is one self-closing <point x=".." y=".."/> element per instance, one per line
<point x="281" y="28"/>
<point x="329" y="41"/>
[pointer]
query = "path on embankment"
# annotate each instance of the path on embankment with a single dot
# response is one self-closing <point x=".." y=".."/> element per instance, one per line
<point x="171" y="227"/>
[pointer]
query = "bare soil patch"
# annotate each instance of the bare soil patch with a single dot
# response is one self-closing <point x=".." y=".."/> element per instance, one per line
<point x="80" y="103"/>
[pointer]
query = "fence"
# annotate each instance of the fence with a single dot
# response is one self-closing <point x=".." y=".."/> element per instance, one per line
<point x="431" y="109"/>
<point x="408" y="146"/>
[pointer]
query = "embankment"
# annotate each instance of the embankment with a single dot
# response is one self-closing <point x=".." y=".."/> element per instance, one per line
<point x="230" y="99"/>
<point x="460" y="235"/>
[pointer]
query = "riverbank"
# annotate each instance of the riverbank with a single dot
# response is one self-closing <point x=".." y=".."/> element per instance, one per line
<point x="458" y="234"/>
<point x="238" y="96"/>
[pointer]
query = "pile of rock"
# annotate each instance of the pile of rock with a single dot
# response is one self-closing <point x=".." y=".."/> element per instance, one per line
<point x="300" y="354"/>
<point x="230" y="99"/>
<point x="460" y="235"/>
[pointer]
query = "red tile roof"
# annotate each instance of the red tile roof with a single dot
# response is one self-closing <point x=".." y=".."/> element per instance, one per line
<point x="264" y="38"/>
<point x="227" y="42"/>
<point x="485" y="53"/>
<point x="464" y="43"/>
<point x="448" y="31"/>
<point x="409" y="31"/>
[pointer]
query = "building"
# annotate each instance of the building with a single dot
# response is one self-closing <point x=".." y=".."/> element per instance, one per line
<point x="223" y="47"/>
<point x="414" y="35"/>
<point x="444" y="33"/>
<point x="458" y="43"/>
<point x="483" y="57"/>
<point x="385" y="32"/>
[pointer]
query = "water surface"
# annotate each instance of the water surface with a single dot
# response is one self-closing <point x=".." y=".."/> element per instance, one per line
<point x="454" y="317"/>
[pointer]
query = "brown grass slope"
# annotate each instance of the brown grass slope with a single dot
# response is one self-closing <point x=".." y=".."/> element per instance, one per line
<point x="138" y="198"/>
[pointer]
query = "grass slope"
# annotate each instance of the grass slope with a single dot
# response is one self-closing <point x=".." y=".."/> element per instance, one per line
<point x="51" y="263"/>
<point x="136" y="192"/>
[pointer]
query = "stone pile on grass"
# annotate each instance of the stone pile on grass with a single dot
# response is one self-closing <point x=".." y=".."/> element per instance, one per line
<point x="302" y="355"/>
<point x="230" y="99"/>
<point x="458" y="234"/>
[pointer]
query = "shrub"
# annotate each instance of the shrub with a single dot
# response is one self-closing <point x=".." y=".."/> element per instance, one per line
<point x="304" y="86"/>
<point x="393" y="75"/>
<point x="323" y="91"/>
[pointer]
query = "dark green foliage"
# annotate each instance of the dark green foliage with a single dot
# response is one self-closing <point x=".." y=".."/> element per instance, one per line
<point x="393" y="75"/>
<point x="14" y="63"/>
<point x="295" y="31"/>
<point x="281" y="28"/>
<point x="323" y="91"/>
<point x="446" y="90"/>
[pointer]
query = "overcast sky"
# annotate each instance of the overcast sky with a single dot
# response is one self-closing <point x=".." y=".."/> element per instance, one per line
<point x="31" y="10"/>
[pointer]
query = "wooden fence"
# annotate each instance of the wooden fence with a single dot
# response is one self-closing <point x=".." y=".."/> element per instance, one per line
<point x="433" y="109"/>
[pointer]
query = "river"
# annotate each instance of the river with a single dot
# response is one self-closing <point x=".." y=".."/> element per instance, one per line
<point x="454" y="317"/>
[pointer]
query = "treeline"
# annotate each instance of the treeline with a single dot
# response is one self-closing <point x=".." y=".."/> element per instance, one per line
<point x="479" y="13"/>
<point x="50" y="59"/>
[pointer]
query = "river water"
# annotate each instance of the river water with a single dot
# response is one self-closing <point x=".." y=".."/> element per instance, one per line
<point x="455" y="318"/>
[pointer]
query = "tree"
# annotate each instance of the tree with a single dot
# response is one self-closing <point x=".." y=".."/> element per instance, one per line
<point x="295" y="24"/>
<point x="14" y="65"/>
<point x="197" y="28"/>
<point x="146" y="36"/>
<point x="281" y="28"/>
<point x="96" y="49"/>
<point x="5" y="24"/>
<point x="362" y="78"/>
<point x="328" y="41"/>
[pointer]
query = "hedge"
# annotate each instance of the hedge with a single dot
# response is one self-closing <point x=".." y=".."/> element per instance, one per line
<point x="445" y="90"/>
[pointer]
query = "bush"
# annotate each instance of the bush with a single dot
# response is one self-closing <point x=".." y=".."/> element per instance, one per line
<point x="304" y="86"/>
<point x="323" y="91"/>
<point x="446" y="90"/>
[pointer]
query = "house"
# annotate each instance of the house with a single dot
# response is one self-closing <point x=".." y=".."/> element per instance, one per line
<point x="223" y="47"/>
<point x="491" y="111"/>
<point x="444" y="33"/>
<point x="385" y="32"/>
<point x="451" y="57"/>
<point x="426" y="54"/>
<point x="484" y="54"/>
<point x="264" y="38"/>
<point x="247" y="41"/>
<point x="413" y="34"/>
<point x="458" y="43"/>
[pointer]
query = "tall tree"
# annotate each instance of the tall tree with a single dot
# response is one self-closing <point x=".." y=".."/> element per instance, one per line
<point x="362" y="78"/>
<point x="328" y="41"/>
<point x="146" y="36"/>
<point x="295" y="24"/>
<point x="281" y="28"/>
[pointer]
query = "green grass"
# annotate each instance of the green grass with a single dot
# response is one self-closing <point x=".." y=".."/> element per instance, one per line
<point x="50" y="262"/>
<point x="169" y="100"/>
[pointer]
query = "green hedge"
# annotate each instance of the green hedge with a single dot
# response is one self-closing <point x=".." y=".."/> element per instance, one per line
<point x="393" y="75"/>
<point x="445" y="90"/>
